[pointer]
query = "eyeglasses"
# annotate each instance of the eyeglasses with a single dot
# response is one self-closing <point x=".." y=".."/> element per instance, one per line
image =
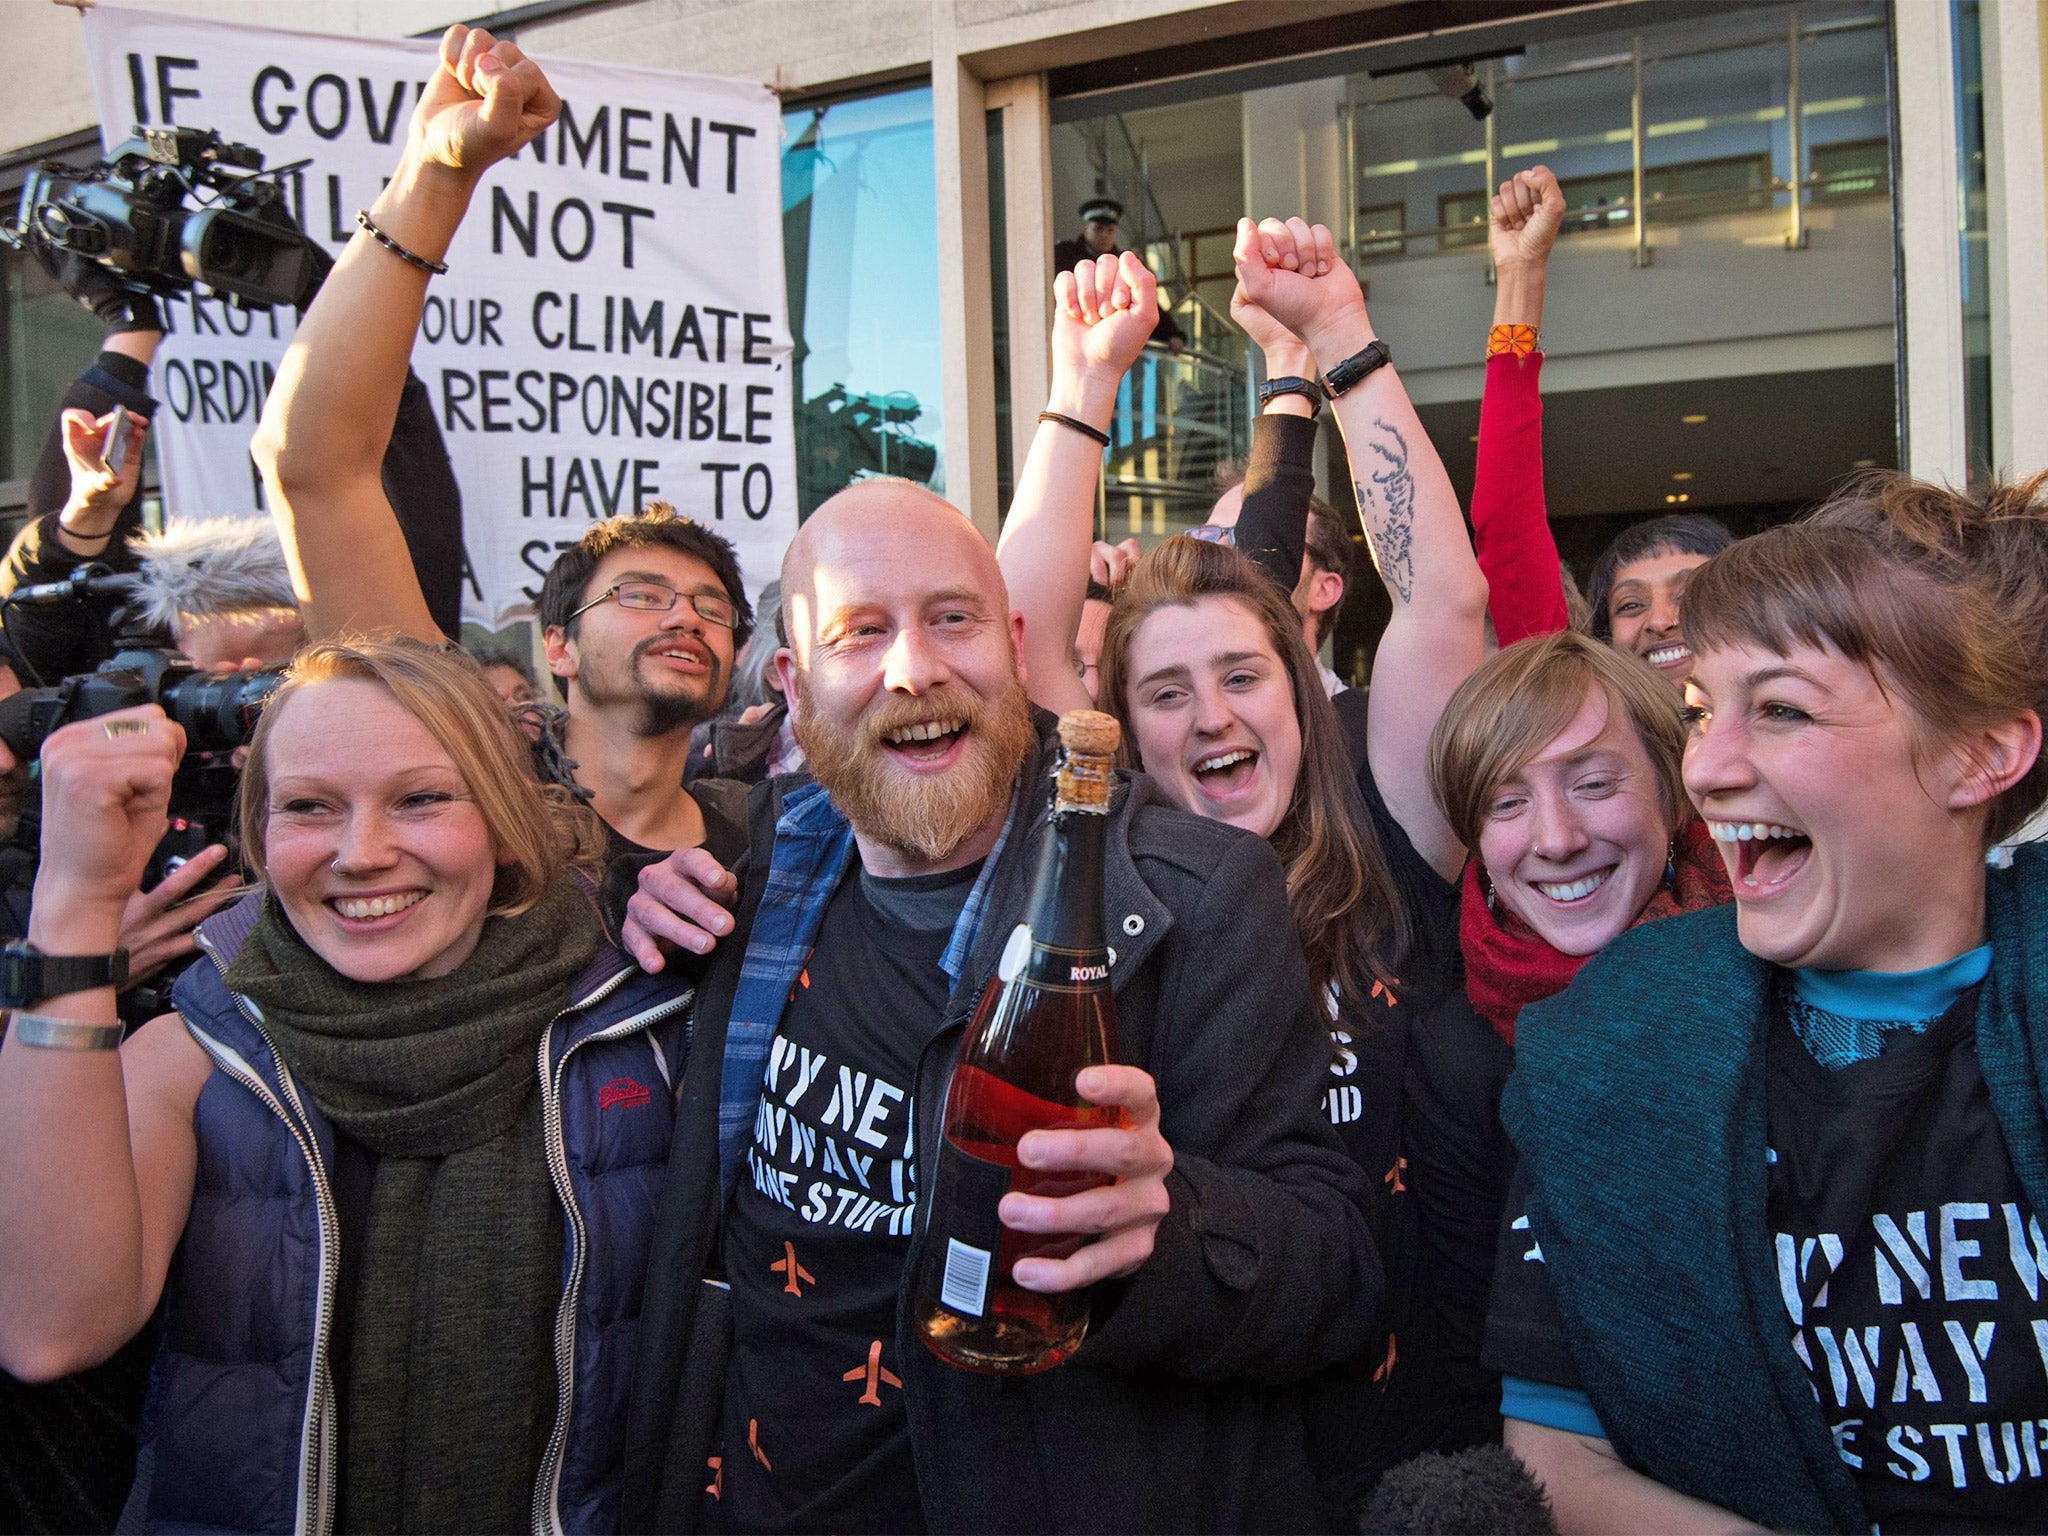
<point x="653" y="597"/>
<point x="1209" y="533"/>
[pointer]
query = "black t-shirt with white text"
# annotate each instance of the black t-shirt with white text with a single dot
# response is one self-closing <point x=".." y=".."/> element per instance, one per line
<point x="1911" y="1268"/>
<point x="815" y="1435"/>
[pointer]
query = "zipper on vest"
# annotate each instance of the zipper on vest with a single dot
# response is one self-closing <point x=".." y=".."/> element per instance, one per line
<point x="547" y="1486"/>
<point x="316" y="1440"/>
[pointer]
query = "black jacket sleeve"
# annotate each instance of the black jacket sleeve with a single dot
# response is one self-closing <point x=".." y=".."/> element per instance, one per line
<point x="1279" y="479"/>
<point x="1264" y="1268"/>
<point x="419" y="482"/>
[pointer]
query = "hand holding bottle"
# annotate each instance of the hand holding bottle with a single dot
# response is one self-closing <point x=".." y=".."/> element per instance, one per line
<point x="1126" y="1213"/>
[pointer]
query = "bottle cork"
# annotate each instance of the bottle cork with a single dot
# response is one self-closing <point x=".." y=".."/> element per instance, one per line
<point x="1090" y="731"/>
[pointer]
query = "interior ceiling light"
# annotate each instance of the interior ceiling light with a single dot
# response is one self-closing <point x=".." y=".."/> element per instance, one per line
<point x="1694" y="420"/>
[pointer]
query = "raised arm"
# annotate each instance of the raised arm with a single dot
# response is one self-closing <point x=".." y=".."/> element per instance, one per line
<point x="1510" y="526"/>
<point x="321" y="443"/>
<point x="1103" y="312"/>
<point x="96" y="1145"/>
<point x="1280" y="475"/>
<point x="1412" y="521"/>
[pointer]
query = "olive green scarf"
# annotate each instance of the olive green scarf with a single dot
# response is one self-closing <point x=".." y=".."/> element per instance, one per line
<point x="460" y="1273"/>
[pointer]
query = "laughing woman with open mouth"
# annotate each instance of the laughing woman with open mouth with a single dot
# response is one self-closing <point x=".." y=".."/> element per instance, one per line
<point x="390" y="1168"/>
<point x="1775" y="1251"/>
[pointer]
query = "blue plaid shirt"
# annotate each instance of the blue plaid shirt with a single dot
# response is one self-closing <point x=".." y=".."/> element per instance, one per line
<point x="813" y="846"/>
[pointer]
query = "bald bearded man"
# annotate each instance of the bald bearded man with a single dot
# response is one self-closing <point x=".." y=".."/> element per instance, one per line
<point x="780" y="1386"/>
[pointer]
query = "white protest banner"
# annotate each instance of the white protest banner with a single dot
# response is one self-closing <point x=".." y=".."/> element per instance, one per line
<point x="613" y="326"/>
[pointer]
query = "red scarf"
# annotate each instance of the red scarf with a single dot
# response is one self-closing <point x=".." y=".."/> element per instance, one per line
<point x="1508" y="966"/>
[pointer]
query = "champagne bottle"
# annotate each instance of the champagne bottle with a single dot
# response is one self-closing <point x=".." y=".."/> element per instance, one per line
<point x="1044" y="1016"/>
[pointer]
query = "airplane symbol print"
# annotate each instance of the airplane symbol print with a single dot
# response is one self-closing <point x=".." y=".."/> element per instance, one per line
<point x="787" y="1266"/>
<point x="875" y="1375"/>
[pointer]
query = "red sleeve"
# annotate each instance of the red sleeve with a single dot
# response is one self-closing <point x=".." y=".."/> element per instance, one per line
<point x="1510" y="530"/>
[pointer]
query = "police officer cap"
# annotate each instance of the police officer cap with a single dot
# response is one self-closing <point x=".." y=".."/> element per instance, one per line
<point x="1103" y="210"/>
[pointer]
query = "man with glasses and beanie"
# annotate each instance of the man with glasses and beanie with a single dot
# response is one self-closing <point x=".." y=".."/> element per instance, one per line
<point x="1100" y="218"/>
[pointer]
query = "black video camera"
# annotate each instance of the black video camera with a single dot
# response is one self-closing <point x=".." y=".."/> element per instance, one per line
<point x="173" y="209"/>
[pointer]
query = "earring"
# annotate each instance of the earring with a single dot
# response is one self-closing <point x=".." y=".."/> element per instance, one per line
<point x="1671" y="863"/>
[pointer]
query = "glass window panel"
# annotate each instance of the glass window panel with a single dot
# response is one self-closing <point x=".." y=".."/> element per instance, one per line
<point x="1726" y="374"/>
<point x="1421" y="168"/>
<point x="1566" y="105"/>
<point x="47" y="339"/>
<point x="860" y="238"/>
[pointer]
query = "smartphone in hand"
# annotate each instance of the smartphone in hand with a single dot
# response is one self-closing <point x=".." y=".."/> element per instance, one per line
<point x="114" y="449"/>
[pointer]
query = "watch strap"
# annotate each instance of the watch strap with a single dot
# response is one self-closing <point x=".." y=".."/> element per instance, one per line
<point x="54" y="1034"/>
<point x="1374" y="356"/>
<point x="1291" y="384"/>
<point x="28" y="976"/>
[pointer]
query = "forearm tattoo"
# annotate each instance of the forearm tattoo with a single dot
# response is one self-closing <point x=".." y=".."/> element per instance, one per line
<point x="1386" y="504"/>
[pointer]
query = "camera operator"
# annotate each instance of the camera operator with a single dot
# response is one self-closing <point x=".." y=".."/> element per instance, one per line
<point x="83" y="510"/>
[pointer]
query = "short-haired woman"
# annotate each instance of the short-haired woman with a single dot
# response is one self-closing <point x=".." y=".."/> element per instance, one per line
<point x="1638" y="580"/>
<point x="1776" y="1249"/>
<point x="1558" y="764"/>
<point x="390" y="1168"/>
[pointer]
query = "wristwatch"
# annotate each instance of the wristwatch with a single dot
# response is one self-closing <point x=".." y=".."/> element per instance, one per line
<point x="1290" y="384"/>
<point x="28" y="976"/>
<point x="1355" y="368"/>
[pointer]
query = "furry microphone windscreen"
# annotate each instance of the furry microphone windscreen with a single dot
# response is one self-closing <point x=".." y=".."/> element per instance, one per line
<point x="201" y="568"/>
<point x="1485" y="1491"/>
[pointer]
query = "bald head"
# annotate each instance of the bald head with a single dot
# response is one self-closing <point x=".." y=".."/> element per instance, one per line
<point x="888" y="528"/>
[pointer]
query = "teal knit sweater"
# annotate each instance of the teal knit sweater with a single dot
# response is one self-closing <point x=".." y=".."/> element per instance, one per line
<point x="1638" y="1107"/>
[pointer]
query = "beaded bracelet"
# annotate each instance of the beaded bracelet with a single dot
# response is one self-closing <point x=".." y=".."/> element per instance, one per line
<point x="1513" y="340"/>
<point x="433" y="268"/>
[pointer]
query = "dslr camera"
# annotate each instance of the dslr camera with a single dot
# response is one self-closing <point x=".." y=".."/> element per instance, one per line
<point x="173" y="209"/>
<point x="218" y="710"/>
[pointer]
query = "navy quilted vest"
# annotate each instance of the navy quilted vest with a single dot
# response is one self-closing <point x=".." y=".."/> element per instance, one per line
<point x="238" y="1433"/>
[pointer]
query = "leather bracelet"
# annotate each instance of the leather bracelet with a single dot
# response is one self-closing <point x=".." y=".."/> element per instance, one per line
<point x="1290" y="384"/>
<point x="1368" y="360"/>
<point x="1081" y="427"/>
<point x="413" y="258"/>
<point x="54" y="1034"/>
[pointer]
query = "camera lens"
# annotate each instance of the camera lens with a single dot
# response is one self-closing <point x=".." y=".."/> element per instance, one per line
<point x="219" y="709"/>
<point x="229" y="251"/>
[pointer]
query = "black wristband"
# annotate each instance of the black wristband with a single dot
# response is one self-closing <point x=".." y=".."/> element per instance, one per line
<point x="1291" y="384"/>
<point x="1081" y="427"/>
<point x="1358" y="366"/>
<point x="28" y="976"/>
